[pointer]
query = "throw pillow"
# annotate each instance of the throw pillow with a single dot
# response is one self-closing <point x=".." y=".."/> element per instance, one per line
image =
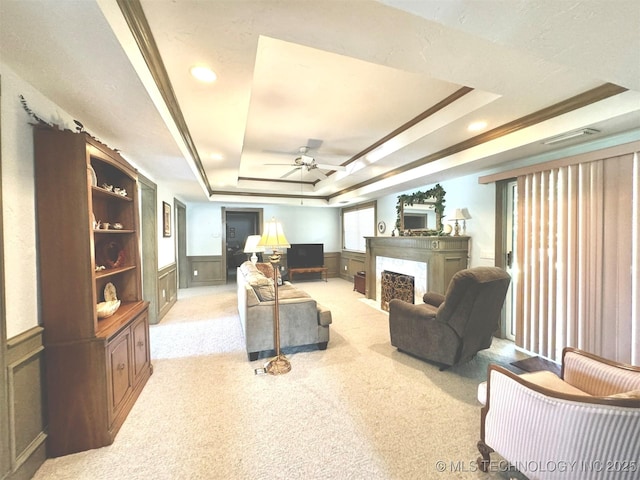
<point x="267" y="270"/>
<point x="265" y="292"/>
<point x="257" y="278"/>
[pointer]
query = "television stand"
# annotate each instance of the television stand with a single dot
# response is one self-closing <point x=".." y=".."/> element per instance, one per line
<point x="308" y="270"/>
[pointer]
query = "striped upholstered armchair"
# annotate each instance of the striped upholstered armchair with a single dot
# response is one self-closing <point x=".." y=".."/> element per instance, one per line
<point x="584" y="424"/>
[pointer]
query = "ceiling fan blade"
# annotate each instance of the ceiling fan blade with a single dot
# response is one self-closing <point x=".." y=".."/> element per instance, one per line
<point x="317" y="173"/>
<point x="281" y="164"/>
<point x="290" y="172"/>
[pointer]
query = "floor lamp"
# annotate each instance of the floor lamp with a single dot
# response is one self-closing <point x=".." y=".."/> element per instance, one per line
<point x="273" y="238"/>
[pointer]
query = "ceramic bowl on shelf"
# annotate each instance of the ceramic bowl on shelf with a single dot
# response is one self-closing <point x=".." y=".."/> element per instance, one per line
<point x="106" y="309"/>
<point x="117" y="226"/>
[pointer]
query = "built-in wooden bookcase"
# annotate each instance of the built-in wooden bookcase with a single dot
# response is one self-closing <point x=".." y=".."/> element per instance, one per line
<point x="96" y="367"/>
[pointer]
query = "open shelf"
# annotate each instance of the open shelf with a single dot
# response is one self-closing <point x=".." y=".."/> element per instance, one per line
<point x="99" y="191"/>
<point x="109" y="326"/>
<point x="114" y="271"/>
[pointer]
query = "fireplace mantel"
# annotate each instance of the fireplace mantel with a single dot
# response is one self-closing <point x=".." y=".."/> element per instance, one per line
<point x="444" y="256"/>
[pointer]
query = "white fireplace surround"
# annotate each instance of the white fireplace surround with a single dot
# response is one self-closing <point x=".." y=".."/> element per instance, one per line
<point x="418" y="270"/>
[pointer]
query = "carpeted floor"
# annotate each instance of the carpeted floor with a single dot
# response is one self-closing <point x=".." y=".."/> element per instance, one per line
<point x="358" y="410"/>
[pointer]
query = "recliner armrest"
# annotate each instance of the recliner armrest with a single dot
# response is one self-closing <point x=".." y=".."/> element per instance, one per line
<point x="424" y="311"/>
<point x="433" y="298"/>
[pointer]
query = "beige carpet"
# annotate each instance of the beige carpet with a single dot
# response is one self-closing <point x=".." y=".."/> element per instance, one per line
<point x="358" y="410"/>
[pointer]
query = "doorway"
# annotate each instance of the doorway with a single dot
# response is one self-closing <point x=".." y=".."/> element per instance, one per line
<point x="239" y="223"/>
<point x="506" y="247"/>
<point x="511" y="217"/>
<point x="181" y="243"/>
<point x="149" y="237"/>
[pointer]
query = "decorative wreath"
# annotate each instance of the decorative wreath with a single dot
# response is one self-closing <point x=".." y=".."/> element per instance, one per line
<point x="111" y="254"/>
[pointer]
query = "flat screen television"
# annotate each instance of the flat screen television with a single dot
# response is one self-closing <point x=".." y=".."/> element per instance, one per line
<point x="303" y="255"/>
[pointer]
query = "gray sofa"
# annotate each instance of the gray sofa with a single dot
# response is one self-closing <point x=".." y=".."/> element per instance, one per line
<point x="302" y="320"/>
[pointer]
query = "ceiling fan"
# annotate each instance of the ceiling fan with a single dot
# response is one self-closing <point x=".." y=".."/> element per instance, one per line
<point x="305" y="161"/>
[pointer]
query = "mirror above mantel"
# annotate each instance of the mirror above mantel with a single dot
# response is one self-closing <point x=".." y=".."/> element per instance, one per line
<point x="420" y="213"/>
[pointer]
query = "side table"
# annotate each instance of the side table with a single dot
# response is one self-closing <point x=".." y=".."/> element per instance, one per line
<point x="359" y="282"/>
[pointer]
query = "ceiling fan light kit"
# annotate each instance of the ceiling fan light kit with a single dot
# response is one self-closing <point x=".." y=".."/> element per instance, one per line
<point x="309" y="163"/>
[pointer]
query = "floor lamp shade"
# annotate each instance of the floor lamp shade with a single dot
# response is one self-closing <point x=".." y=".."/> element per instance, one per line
<point x="273" y="237"/>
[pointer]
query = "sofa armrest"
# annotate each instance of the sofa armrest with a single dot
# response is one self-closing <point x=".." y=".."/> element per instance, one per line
<point x="596" y="375"/>
<point x="433" y="298"/>
<point x="529" y="425"/>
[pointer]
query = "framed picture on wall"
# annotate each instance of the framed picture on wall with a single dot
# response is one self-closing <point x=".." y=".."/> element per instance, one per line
<point x="166" y="219"/>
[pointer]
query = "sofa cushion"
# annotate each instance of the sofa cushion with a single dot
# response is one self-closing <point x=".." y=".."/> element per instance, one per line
<point x="289" y="291"/>
<point x="550" y="380"/>
<point x="631" y="394"/>
<point x="543" y="378"/>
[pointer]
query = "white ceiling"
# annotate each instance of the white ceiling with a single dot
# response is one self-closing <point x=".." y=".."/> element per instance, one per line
<point x="336" y="75"/>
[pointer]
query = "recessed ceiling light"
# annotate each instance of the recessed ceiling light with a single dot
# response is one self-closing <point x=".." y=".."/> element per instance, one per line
<point x="204" y="74"/>
<point x="216" y="156"/>
<point x="477" y="126"/>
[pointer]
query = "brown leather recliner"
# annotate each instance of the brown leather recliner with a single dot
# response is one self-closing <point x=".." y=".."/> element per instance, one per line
<point x="450" y="329"/>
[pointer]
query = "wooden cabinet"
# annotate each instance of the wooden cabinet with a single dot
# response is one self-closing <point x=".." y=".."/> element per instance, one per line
<point x="96" y="367"/>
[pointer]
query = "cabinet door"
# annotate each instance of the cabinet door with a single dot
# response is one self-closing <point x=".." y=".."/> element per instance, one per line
<point x="140" y="331"/>
<point x="119" y="372"/>
<point x="453" y="263"/>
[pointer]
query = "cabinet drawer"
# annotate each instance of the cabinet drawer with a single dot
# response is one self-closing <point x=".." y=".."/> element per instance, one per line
<point x="140" y="344"/>
<point x="119" y="375"/>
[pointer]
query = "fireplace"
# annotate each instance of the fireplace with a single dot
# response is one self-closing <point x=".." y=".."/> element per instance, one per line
<point x="432" y="261"/>
<point x="396" y="285"/>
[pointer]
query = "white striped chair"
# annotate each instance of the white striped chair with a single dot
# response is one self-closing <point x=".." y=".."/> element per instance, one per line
<point x="582" y="425"/>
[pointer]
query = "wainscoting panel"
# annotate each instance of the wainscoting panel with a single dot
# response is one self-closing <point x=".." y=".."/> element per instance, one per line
<point x="25" y="368"/>
<point x="332" y="262"/>
<point x="350" y="264"/>
<point x="167" y="289"/>
<point x="210" y="271"/>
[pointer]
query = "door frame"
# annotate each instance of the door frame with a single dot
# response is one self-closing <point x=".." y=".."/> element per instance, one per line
<point x="149" y="244"/>
<point x="5" y="454"/>
<point x="180" y="210"/>
<point x="224" y="211"/>
<point x="505" y="231"/>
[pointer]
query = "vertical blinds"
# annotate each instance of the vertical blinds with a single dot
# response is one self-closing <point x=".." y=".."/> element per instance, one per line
<point x="578" y="257"/>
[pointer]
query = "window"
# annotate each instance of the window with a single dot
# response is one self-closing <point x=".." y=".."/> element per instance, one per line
<point x="358" y="222"/>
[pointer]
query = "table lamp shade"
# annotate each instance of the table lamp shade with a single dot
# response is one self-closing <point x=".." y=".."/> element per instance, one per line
<point x="458" y="215"/>
<point x="251" y="245"/>
<point x="273" y="236"/>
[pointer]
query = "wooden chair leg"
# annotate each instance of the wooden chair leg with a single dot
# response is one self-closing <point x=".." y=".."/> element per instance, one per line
<point x="485" y="459"/>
